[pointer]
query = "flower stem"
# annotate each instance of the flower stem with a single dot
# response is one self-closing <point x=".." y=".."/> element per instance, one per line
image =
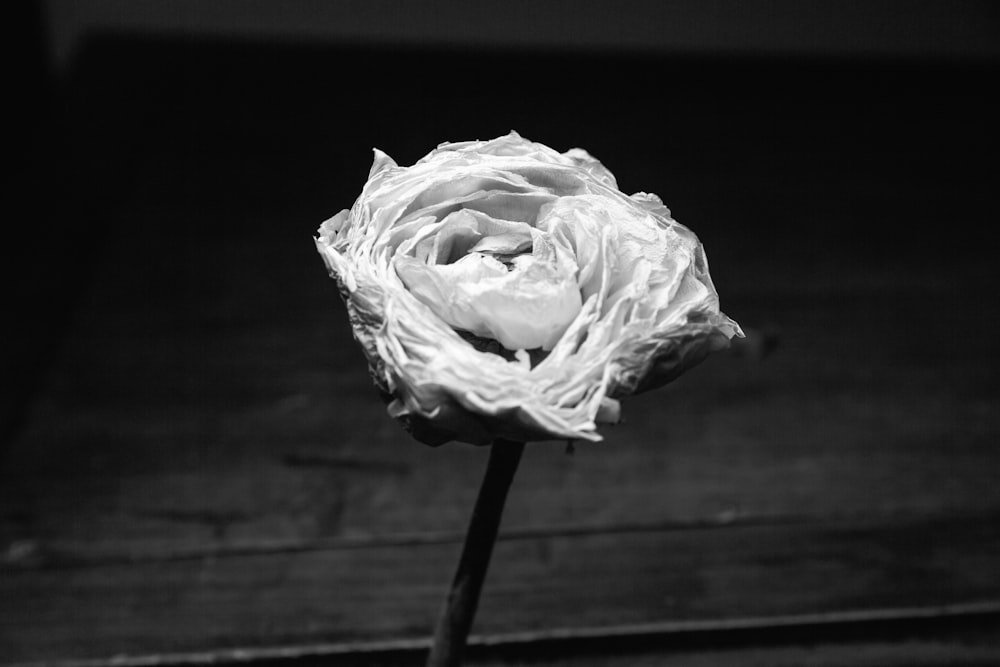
<point x="460" y="608"/>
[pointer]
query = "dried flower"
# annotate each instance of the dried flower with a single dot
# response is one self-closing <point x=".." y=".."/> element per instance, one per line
<point x="502" y="289"/>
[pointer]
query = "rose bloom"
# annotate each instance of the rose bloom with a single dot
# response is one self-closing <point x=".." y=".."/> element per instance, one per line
<point x="501" y="289"/>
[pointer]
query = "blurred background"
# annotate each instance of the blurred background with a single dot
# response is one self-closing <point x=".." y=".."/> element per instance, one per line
<point x="194" y="467"/>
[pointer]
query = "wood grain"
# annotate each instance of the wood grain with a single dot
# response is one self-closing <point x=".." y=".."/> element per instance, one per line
<point x="349" y="595"/>
<point x="201" y="464"/>
<point x="195" y="417"/>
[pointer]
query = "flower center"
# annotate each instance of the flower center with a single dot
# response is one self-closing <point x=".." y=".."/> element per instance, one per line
<point x="493" y="278"/>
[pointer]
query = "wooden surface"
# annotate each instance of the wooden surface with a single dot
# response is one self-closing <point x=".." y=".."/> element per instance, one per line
<point x="200" y="463"/>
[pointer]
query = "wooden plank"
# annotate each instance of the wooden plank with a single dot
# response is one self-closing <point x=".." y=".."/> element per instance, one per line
<point x="963" y="634"/>
<point x="193" y="415"/>
<point x="538" y="583"/>
<point x="209" y="392"/>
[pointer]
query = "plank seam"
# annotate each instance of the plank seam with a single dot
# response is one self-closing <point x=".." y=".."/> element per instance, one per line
<point x="660" y="629"/>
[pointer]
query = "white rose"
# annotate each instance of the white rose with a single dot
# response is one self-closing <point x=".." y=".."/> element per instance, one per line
<point x="502" y="289"/>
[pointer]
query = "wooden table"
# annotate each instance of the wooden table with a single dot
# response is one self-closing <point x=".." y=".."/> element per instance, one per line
<point x="198" y="470"/>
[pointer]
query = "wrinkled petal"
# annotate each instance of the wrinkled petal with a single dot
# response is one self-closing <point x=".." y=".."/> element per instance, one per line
<point x="503" y="289"/>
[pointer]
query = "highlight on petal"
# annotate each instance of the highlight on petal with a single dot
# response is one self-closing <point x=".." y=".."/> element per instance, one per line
<point x="503" y="289"/>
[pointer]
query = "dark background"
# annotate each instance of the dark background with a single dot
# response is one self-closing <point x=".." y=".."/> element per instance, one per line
<point x="182" y="384"/>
